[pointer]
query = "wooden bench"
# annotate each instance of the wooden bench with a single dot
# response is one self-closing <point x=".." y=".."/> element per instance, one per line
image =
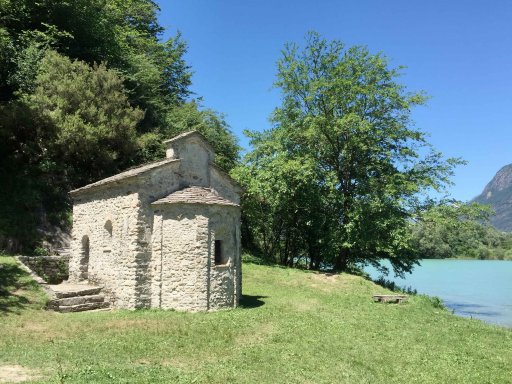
<point x="390" y="298"/>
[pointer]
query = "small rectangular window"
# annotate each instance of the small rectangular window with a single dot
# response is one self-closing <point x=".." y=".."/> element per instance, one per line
<point x="218" y="252"/>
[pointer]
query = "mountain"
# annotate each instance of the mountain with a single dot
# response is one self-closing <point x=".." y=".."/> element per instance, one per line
<point x="498" y="193"/>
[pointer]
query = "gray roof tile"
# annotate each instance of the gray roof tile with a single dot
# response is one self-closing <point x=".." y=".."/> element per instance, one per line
<point x="195" y="195"/>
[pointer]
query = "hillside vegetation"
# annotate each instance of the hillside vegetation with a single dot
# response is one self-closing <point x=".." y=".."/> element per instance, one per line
<point x="460" y="231"/>
<point x="293" y="327"/>
<point x="476" y="230"/>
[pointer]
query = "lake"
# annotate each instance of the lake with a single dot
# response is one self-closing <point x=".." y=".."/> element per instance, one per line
<point x="480" y="289"/>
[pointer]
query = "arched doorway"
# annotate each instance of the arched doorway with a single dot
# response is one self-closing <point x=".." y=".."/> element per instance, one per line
<point x="84" y="259"/>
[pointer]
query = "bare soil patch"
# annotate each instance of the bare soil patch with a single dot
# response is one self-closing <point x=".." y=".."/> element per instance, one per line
<point x="325" y="277"/>
<point x="16" y="374"/>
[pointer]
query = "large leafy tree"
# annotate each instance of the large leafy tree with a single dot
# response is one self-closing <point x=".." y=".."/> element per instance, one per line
<point x="345" y="110"/>
<point x="190" y="116"/>
<point x="285" y="211"/>
<point x="123" y="33"/>
<point x="90" y="125"/>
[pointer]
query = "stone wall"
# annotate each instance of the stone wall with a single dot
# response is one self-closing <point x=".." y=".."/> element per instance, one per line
<point x="223" y="185"/>
<point x="155" y="185"/>
<point x="185" y="276"/>
<point x="52" y="269"/>
<point x="108" y="221"/>
<point x="180" y="259"/>
<point x="225" y="278"/>
<point x="117" y="221"/>
<point x="195" y="156"/>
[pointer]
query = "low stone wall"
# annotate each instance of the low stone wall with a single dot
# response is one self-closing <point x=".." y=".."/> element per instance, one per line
<point x="52" y="269"/>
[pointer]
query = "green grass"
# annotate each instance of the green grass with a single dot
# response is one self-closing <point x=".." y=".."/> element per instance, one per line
<point x="294" y="327"/>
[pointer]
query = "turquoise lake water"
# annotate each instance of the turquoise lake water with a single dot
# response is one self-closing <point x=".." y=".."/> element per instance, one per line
<point x="479" y="289"/>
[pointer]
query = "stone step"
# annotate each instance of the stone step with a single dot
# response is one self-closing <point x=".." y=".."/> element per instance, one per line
<point x="76" y="300"/>
<point x="106" y="309"/>
<point x="82" y="307"/>
<point x="68" y="297"/>
<point x="62" y="291"/>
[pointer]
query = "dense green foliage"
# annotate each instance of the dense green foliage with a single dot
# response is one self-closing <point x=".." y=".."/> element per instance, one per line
<point x="339" y="177"/>
<point x="460" y="231"/>
<point x="90" y="126"/>
<point x="74" y="127"/>
<point x="293" y="327"/>
<point x="87" y="89"/>
<point x="122" y="33"/>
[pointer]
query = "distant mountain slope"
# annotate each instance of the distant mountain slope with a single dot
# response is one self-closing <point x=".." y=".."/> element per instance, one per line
<point x="498" y="193"/>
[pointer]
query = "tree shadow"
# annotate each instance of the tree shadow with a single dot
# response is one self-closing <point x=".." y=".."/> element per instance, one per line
<point x="248" y="301"/>
<point x="12" y="279"/>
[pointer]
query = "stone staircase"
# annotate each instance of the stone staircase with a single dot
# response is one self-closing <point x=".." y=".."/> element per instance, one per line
<point x="67" y="297"/>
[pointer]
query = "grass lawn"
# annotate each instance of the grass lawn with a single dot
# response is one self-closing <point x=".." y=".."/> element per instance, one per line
<point x="294" y="327"/>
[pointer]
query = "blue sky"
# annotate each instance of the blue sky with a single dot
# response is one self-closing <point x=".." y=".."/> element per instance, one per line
<point x="458" y="51"/>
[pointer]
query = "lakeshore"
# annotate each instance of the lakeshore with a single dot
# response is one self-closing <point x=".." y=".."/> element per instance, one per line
<point x="480" y="289"/>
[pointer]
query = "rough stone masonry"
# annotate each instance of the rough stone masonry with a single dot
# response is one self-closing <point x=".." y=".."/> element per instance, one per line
<point x="163" y="235"/>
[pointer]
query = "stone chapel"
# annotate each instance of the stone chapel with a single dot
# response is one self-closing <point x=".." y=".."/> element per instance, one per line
<point x="162" y="235"/>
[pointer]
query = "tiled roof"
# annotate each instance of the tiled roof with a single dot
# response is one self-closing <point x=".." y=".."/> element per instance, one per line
<point x="126" y="174"/>
<point x="195" y="195"/>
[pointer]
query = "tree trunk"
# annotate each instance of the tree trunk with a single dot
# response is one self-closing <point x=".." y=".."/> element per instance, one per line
<point x="341" y="261"/>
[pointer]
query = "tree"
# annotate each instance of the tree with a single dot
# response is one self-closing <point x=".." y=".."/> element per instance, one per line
<point x="89" y="114"/>
<point x="457" y="230"/>
<point x="284" y="212"/>
<point x="125" y="34"/>
<point x="76" y="127"/>
<point x="344" y="110"/>
<point x="190" y="116"/>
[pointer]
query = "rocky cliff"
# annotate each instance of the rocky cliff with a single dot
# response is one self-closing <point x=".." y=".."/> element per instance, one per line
<point x="498" y="193"/>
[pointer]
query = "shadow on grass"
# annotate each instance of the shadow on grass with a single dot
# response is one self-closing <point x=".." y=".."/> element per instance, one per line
<point x="248" y="301"/>
<point x="12" y="279"/>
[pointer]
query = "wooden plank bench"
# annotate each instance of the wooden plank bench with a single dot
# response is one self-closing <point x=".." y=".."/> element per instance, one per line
<point x="390" y="298"/>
